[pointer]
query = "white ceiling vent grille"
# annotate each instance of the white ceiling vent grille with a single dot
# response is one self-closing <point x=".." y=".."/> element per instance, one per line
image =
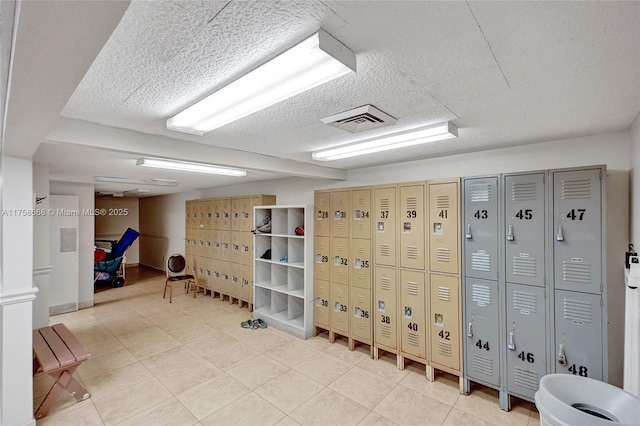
<point x="360" y="119"/>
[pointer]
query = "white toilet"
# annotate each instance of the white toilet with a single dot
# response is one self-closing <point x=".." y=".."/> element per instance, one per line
<point x="568" y="400"/>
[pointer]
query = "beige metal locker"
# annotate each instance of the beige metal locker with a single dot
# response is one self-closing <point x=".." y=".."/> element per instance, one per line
<point x="208" y="214"/>
<point x="239" y="210"/>
<point x="189" y="262"/>
<point x="208" y="272"/>
<point x="445" y="321"/>
<point x="361" y="213"/>
<point x="321" y="303"/>
<point x="322" y="222"/>
<point x="384" y="226"/>
<point x="200" y="214"/>
<point x="217" y="213"/>
<point x="361" y="315"/>
<point x="246" y="283"/>
<point x="339" y="260"/>
<point x="208" y="244"/>
<point x="413" y="314"/>
<point x="225" y="278"/>
<point x="234" y="246"/>
<point x="201" y="241"/>
<point x="360" y="263"/>
<point x="411" y="223"/>
<point x="339" y="213"/>
<point x="225" y="214"/>
<point x="191" y="213"/>
<point x="385" y="303"/>
<point x="339" y="308"/>
<point x="224" y="238"/>
<point x="216" y="249"/>
<point x="216" y="277"/>
<point x="321" y="251"/>
<point x="190" y="241"/>
<point x="234" y="280"/>
<point x="201" y="271"/>
<point x="444" y="226"/>
<point x="246" y="248"/>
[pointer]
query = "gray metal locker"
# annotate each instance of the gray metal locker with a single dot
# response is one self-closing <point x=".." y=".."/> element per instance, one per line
<point x="480" y="227"/>
<point x="526" y="339"/>
<point x="577" y="230"/>
<point x="579" y="333"/>
<point x="482" y="348"/>
<point x="524" y="231"/>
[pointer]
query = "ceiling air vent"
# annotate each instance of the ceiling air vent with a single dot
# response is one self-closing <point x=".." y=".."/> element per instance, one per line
<point x="360" y="119"/>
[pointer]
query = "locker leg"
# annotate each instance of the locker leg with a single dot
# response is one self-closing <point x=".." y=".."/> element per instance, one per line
<point x="332" y="337"/>
<point x="461" y="385"/>
<point x="375" y="353"/>
<point x="315" y="331"/>
<point x="352" y="344"/>
<point x="505" y="400"/>
<point x="430" y="372"/>
<point x="400" y="362"/>
<point x="371" y="350"/>
<point x="466" y="386"/>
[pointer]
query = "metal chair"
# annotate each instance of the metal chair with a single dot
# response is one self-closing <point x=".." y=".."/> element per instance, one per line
<point x="175" y="272"/>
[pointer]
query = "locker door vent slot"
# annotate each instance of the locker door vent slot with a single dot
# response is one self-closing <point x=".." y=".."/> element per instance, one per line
<point x="524" y="267"/>
<point x="444" y="255"/>
<point x="340" y="293"/>
<point x="411" y="203"/>
<point x="444" y="294"/>
<point x="442" y="202"/>
<point x="360" y="250"/>
<point x="385" y="203"/>
<point x="385" y="331"/>
<point x="526" y="378"/>
<point x="576" y="272"/>
<point x="481" y="294"/>
<point x="361" y="276"/>
<point x="413" y="339"/>
<point x="360" y="325"/>
<point x="524" y="191"/>
<point x="340" y="272"/>
<point x="444" y="348"/>
<point x="523" y="301"/>
<point x="482" y="365"/>
<point x="480" y="192"/>
<point x="412" y="288"/>
<point x="360" y="299"/>
<point x="385" y="283"/>
<point x="577" y="310"/>
<point x="385" y="250"/>
<point x="412" y="252"/>
<point x="579" y="189"/>
<point x="481" y="262"/>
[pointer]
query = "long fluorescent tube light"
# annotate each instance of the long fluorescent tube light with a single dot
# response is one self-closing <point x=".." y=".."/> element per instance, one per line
<point x="126" y="181"/>
<point x="394" y="141"/>
<point x="190" y="167"/>
<point x="312" y="62"/>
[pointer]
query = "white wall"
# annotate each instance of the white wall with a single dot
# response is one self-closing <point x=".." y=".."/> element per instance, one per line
<point x="86" y="197"/>
<point x="121" y="213"/>
<point x="634" y="136"/>
<point x="162" y="227"/>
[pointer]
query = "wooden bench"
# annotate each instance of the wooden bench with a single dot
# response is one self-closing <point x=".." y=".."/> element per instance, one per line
<point x="57" y="351"/>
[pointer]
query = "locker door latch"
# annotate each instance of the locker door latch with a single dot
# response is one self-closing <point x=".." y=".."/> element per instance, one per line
<point x="470" y="330"/>
<point x="512" y="342"/>
<point x="560" y="234"/>
<point x="562" y="358"/>
<point x="510" y="236"/>
<point x="468" y="234"/>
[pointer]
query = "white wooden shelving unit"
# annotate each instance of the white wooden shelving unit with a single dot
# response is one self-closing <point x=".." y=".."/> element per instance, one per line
<point x="283" y="289"/>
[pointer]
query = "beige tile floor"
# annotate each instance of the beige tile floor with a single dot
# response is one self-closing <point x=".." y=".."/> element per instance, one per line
<point x="190" y="363"/>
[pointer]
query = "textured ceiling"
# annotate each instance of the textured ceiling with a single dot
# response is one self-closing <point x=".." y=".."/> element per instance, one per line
<point x="505" y="73"/>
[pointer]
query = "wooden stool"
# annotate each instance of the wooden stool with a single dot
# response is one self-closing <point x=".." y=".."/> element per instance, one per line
<point x="59" y="353"/>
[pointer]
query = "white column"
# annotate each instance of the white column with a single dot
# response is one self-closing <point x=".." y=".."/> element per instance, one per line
<point x="16" y="292"/>
<point x="41" y="259"/>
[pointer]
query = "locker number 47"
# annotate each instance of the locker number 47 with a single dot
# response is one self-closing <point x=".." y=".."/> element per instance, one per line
<point x="576" y="214"/>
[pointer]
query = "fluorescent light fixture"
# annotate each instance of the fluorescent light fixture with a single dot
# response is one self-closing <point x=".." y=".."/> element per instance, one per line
<point x="186" y="166"/>
<point x="126" y="181"/>
<point x="393" y="141"/>
<point x="312" y="62"/>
